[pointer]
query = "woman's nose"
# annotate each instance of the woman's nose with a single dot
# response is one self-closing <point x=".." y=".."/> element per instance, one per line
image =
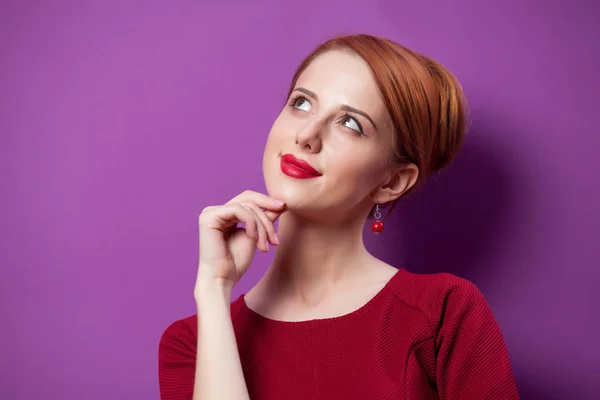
<point x="309" y="138"/>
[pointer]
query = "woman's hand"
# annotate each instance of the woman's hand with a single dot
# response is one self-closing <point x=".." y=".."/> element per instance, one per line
<point x="227" y="250"/>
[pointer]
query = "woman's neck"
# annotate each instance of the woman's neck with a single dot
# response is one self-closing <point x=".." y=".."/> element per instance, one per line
<point x="314" y="258"/>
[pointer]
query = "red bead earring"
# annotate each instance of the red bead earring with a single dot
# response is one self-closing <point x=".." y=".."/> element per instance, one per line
<point x="377" y="226"/>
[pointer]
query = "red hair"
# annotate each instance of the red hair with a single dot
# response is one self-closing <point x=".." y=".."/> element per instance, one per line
<point x="424" y="100"/>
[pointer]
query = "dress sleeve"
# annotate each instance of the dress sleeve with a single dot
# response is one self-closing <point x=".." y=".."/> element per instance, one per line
<point x="177" y="362"/>
<point x="472" y="361"/>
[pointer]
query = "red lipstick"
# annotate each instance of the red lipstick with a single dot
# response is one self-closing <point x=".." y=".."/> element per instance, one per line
<point x="297" y="168"/>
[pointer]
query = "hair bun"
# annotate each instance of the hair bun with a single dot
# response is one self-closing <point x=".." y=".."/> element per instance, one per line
<point x="451" y="127"/>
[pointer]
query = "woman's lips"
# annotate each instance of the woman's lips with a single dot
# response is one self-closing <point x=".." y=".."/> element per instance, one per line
<point x="297" y="168"/>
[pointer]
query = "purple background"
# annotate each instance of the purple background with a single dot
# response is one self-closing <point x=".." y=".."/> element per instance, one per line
<point x="120" y="121"/>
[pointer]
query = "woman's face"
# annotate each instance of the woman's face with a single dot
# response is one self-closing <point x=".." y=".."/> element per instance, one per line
<point x="335" y="120"/>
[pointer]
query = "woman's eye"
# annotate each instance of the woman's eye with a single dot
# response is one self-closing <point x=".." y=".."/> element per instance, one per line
<point x="352" y="123"/>
<point x="303" y="104"/>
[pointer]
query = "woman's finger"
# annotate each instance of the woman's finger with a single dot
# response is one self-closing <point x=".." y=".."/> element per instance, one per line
<point x="260" y="199"/>
<point x="227" y="216"/>
<point x="269" y="226"/>
<point x="261" y="230"/>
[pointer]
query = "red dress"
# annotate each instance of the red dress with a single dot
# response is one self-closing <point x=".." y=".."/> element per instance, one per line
<point x="423" y="336"/>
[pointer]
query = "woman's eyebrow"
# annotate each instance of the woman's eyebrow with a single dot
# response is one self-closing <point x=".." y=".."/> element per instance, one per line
<point x="308" y="92"/>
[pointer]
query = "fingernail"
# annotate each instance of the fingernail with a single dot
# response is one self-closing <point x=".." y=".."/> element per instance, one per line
<point x="279" y="202"/>
<point x="276" y="238"/>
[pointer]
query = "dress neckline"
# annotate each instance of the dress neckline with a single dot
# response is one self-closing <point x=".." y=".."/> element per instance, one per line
<point x="362" y="309"/>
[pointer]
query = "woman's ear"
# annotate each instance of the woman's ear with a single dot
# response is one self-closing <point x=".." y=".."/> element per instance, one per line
<point x="401" y="179"/>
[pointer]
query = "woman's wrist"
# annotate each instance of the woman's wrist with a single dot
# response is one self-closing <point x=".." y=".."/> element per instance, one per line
<point x="210" y="289"/>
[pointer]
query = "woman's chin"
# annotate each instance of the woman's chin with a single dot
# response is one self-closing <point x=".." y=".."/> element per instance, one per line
<point x="298" y="194"/>
<point x="293" y="202"/>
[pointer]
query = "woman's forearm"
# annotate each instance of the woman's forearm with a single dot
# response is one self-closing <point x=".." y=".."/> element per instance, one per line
<point x="219" y="372"/>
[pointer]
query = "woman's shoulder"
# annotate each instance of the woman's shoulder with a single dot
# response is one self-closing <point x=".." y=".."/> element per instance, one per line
<point x="186" y="326"/>
<point x="178" y="340"/>
<point x="420" y="282"/>
<point x="434" y="294"/>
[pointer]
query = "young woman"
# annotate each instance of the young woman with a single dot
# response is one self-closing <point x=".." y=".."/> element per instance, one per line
<point x="365" y="122"/>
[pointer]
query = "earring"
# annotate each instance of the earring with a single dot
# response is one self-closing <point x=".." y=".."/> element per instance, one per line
<point x="377" y="226"/>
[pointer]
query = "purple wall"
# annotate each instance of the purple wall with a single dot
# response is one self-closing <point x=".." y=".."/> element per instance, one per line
<point x="116" y="119"/>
